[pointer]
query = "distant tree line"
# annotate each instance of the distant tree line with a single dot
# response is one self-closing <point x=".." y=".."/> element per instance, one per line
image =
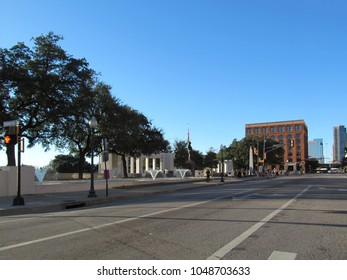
<point x="238" y="151"/>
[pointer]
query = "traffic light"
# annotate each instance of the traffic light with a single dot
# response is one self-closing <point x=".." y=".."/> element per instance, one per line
<point x="10" y="139"/>
<point x="291" y="143"/>
<point x="11" y="133"/>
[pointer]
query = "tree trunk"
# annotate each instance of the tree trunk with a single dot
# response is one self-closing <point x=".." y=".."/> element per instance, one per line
<point x="125" y="172"/>
<point x="81" y="161"/>
<point x="11" y="158"/>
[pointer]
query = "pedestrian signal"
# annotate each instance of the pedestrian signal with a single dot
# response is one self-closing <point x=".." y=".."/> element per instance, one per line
<point x="10" y="139"/>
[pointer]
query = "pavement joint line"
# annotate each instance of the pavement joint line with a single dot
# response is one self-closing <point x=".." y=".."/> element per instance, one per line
<point x="219" y="254"/>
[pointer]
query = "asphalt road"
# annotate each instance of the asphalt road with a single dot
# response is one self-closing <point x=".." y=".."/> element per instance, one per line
<point x="302" y="217"/>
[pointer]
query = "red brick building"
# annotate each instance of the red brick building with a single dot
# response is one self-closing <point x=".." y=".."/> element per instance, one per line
<point x="292" y="134"/>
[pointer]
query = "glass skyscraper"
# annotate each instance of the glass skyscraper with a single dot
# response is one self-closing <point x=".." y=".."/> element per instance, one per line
<point x="315" y="150"/>
<point x="340" y="142"/>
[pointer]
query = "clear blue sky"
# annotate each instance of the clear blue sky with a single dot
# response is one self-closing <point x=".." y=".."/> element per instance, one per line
<point x="215" y="65"/>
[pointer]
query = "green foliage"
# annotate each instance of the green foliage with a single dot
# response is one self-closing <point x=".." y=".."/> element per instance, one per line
<point x="181" y="156"/>
<point x="54" y="95"/>
<point x="210" y="159"/>
<point x="181" y="153"/>
<point x="39" y="86"/>
<point x="130" y="133"/>
<point x="239" y="151"/>
<point x="198" y="159"/>
<point x="68" y="164"/>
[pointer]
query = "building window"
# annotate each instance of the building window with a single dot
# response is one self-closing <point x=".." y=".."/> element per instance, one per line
<point x="264" y="130"/>
<point x="281" y="129"/>
<point x="257" y="130"/>
<point x="249" y="131"/>
<point x="297" y="136"/>
<point x="289" y="128"/>
<point x="297" y="127"/>
<point x="273" y="129"/>
<point x="273" y="138"/>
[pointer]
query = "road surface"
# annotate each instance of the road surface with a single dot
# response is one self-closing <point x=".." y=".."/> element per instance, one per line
<point x="301" y="217"/>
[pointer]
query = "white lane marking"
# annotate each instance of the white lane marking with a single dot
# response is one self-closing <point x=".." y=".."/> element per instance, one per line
<point x="108" y="224"/>
<point x="331" y="189"/>
<point x="219" y="254"/>
<point x="259" y="195"/>
<point x="278" y="255"/>
<point x="42" y="239"/>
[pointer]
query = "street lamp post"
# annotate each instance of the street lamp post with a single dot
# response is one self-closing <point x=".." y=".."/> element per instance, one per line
<point x="93" y="124"/>
<point x="222" y="161"/>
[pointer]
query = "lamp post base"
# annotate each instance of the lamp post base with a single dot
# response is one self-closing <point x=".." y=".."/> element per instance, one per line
<point x="92" y="194"/>
<point x="18" y="200"/>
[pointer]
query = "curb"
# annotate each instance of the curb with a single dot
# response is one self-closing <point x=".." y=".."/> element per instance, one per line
<point x="79" y="203"/>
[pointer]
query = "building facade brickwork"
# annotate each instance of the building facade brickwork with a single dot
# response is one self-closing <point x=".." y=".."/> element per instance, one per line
<point x="292" y="134"/>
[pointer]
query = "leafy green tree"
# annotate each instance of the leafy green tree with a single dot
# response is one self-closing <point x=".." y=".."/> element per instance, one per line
<point x="130" y="133"/>
<point x="73" y="131"/>
<point x="68" y="164"/>
<point x="181" y="156"/>
<point x="210" y="159"/>
<point x="181" y="153"/>
<point x="239" y="151"/>
<point x="198" y="159"/>
<point x="54" y="96"/>
<point x="38" y="85"/>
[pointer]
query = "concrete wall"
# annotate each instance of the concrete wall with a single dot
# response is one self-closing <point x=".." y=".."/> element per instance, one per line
<point x="8" y="180"/>
<point x="72" y="176"/>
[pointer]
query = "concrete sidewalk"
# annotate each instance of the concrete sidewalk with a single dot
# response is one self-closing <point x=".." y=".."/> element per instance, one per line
<point x="58" y="195"/>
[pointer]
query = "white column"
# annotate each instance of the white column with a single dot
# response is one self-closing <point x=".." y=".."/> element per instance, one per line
<point x="132" y="165"/>
<point x="146" y="163"/>
<point x="161" y="163"/>
<point x="138" y="166"/>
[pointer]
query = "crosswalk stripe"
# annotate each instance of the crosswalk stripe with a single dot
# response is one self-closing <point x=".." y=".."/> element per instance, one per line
<point x="278" y="255"/>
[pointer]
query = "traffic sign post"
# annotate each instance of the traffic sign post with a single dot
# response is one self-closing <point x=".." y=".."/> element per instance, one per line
<point x="19" y="200"/>
<point x="12" y="137"/>
<point x="105" y="159"/>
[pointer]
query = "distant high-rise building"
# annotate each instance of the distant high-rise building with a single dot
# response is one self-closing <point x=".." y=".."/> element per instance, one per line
<point x="315" y="150"/>
<point x="340" y="142"/>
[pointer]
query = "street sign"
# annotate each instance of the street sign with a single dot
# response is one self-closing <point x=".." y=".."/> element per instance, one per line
<point x="104" y="144"/>
<point x="11" y="123"/>
<point x="105" y="156"/>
